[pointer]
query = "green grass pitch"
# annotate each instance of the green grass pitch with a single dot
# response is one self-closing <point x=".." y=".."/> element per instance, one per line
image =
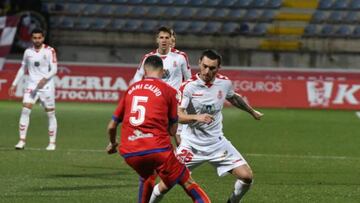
<point x="296" y="156"/>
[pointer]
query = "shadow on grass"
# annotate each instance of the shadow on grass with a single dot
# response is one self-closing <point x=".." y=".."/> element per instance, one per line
<point x="113" y="175"/>
<point x="82" y="187"/>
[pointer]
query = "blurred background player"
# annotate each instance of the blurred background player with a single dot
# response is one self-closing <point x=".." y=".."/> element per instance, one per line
<point x="176" y="65"/>
<point x="202" y="139"/>
<point x="148" y="111"/>
<point x="41" y="64"/>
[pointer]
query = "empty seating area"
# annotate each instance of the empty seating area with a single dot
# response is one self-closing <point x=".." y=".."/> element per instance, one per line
<point x="211" y="17"/>
<point x="335" y="18"/>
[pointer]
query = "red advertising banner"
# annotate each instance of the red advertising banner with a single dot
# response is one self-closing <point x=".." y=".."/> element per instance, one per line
<point x="271" y="88"/>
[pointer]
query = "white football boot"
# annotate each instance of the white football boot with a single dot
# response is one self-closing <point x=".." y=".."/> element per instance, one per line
<point x="51" y="147"/>
<point x="20" y="145"/>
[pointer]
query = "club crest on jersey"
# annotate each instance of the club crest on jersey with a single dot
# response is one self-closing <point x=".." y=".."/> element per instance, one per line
<point x="220" y="94"/>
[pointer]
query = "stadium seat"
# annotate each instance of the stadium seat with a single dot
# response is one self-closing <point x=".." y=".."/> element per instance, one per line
<point x="120" y="1"/>
<point x="139" y="11"/>
<point x="213" y="3"/>
<point x="117" y="24"/>
<point x="274" y="4"/>
<point x="134" y="1"/>
<point x="243" y="3"/>
<point x="351" y="17"/>
<point x="354" y="5"/>
<point x="325" y="4"/>
<point x="343" y="31"/>
<point x="335" y="17"/>
<point x="327" y="31"/>
<point x="181" y="26"/>
<point x="83" y="23"/>
<point x="67" y="23"/>
<point x="196" y="27"/>
<point x="122" y="10"/>
<point x="230" y="28"/>
<point x="267" y="15"/>
<point x="356" y="32"/>
<point x="132" y="25"/>
<point x="166" y="2"/>
<point x="236" y="14"/>
<point x="340" y="5"/>
<point x="149" y="26"/>
<point x="156" y="11"/>
<point x="251" y="15"/>
<point x="181" y="2"/>
<point x="212" y="28"/>
<point x="197" y="2"/>
<point x="258" y="3"/>
<point x="55" y="21"/>
<point x="150" y="2"/>
<point x="187" y="12"/>
<point x="90" y="9"/>
<point x="220" y="13"/>
<point x="244" y="28"/>
<point x="228" y="3"/>
<point x="106" y="10"/>
<point x="319" y="17"/>
<point x="259" y="29"/>
<point x="204" y="13"/>
<point x="310" y="30"/>
<point x="74" y="8"/>
<point x="100" y="23"/>
<point x="172" y="12"/>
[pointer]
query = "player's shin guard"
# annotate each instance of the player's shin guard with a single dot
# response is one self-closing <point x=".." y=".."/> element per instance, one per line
<point x="156" y="195"/>
<point x="52" y="126"/>
<point x="196" y="193"/>
<point x="24" y="122"/>
<point x="240" y="189"/>
<point x="145" y="188"/>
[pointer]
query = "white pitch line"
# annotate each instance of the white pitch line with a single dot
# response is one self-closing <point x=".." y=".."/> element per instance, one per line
<point x="246" y="154"/>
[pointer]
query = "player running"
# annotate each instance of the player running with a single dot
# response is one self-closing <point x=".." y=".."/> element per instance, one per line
<point x="202" y="139"/>
<point x="41" y="64"/>
<point x="148" y="112"/>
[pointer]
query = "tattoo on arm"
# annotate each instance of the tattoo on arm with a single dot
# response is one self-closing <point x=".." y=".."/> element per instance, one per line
<point x="240" y="103"/>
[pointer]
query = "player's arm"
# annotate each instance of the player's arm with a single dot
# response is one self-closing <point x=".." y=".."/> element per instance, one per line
<point x="185" y="118"/>
<point x="52" y="70"/>
<point x="185" y="68"/>
<point x="19" y="75"/>
<point x="113" y="125"/>
<point x="240" y="103"/>
<point x="140" y="73"/>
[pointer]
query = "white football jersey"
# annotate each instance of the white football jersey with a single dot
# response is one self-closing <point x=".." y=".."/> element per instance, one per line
<point x="176" y="66"/>
<point x="40" y="64"/>
<point x="198" y="98"/>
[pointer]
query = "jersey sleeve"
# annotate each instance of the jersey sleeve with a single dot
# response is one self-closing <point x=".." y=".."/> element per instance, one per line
<point x="140" y="72"/>
<point x="184" y="96"/>
<point x="173" y="104"/>
<point x="230" y="91"/>
<point x="118" y="114"/>
<point x="185" y="67"/>
<point x="52" y="64"/>
<point x="21" y="71"/>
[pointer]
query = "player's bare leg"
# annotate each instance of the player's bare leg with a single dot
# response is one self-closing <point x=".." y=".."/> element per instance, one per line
<point x="244" y="180"/>
<point x="52" y="129"/>
<point x="24" y="124"/>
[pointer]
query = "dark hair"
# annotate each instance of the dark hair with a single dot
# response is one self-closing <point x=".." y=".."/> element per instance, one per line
<point x="155" y="62"/>
<point x="211" y="54"/>
<point x="173" y="32"/>
<point x="164" y="29"/>
<point x="37" y="31"/>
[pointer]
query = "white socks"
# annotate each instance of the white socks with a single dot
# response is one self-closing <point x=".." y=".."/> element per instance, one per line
<point x="156" y="196"/>
<point x="24" y="122"/>
<point x="240" y="189"/>
<point x="52" y="126"/>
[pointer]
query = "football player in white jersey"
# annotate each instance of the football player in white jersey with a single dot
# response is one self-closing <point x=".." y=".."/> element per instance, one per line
<point x="176" y="64"/>
<point x="202" y="138"/>
<point x="41" y="64"/>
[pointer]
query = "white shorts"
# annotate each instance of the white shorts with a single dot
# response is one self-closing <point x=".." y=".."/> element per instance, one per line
<point x="179" y="129"/>
<point x="225" y="158"/>
<point x="46" y="96"/>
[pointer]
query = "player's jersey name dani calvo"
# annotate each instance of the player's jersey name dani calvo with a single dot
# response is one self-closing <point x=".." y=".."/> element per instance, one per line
<point x="152" y="88"/>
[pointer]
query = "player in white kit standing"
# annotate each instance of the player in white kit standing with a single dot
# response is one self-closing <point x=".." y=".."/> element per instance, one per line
<point x="202" y="138"/>
<point x="41" y="64"/>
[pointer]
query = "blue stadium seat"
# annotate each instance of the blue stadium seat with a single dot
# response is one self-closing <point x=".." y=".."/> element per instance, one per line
<point x="327" y="31"/>
<point x="181" y="2"/>
<point x="267" y="15"/>
<point x="221" y="13"/>
<point x="165" y="2"/>
<point x="230" y="28"/>
<point x="212" y="28"/>
<point x="150" y="2"/>
<point x="75" y="8"/>
<point x="354" y="5"/>
<point x="204" y="13"/>
<point x="319" y="17"/>
<point x="259" y="29"/>
<point x="343" y="31"/>
<point x="274" y="4"/>
<point x="106" y="10"/>
<point x="90" y="9"/>
<point x="122" y="10"/>
<point x="149" y="26"/>
<point x="117" y="24"/>
<point x="310" y="30"/>
<point x="172" y="12"/>
<point x="236" y="14"/>
<point x="251" y="15"/>
<point x="335" y="17"/>
<point x="156" y="11"/>
<point x="134" y="1"/>
<point x="120" y="1"/>
<point x="187" y="12"/>
<point x="100" y="23"/>
<point x="139" y="11"/>
<point x="132" y="25"/>
<point x="213" y="3"/>
<point x="340" y="5"/>
<point x="181" y="26"/>
<point x="83" y="23"/>
<point x="55" y="21"/>
<point x="244" y="28"/>
<point x="196" y="26"/>
<point x="197" y="2"/>
<point x="351" y="17"/>
<point x="67" y="23"/>
<point x="325" y="4"/>
<point x="356" y="32"/>
<point x="228" y="3"/>
<point x="259" y="3"/>
<point x="243" y="3"/>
